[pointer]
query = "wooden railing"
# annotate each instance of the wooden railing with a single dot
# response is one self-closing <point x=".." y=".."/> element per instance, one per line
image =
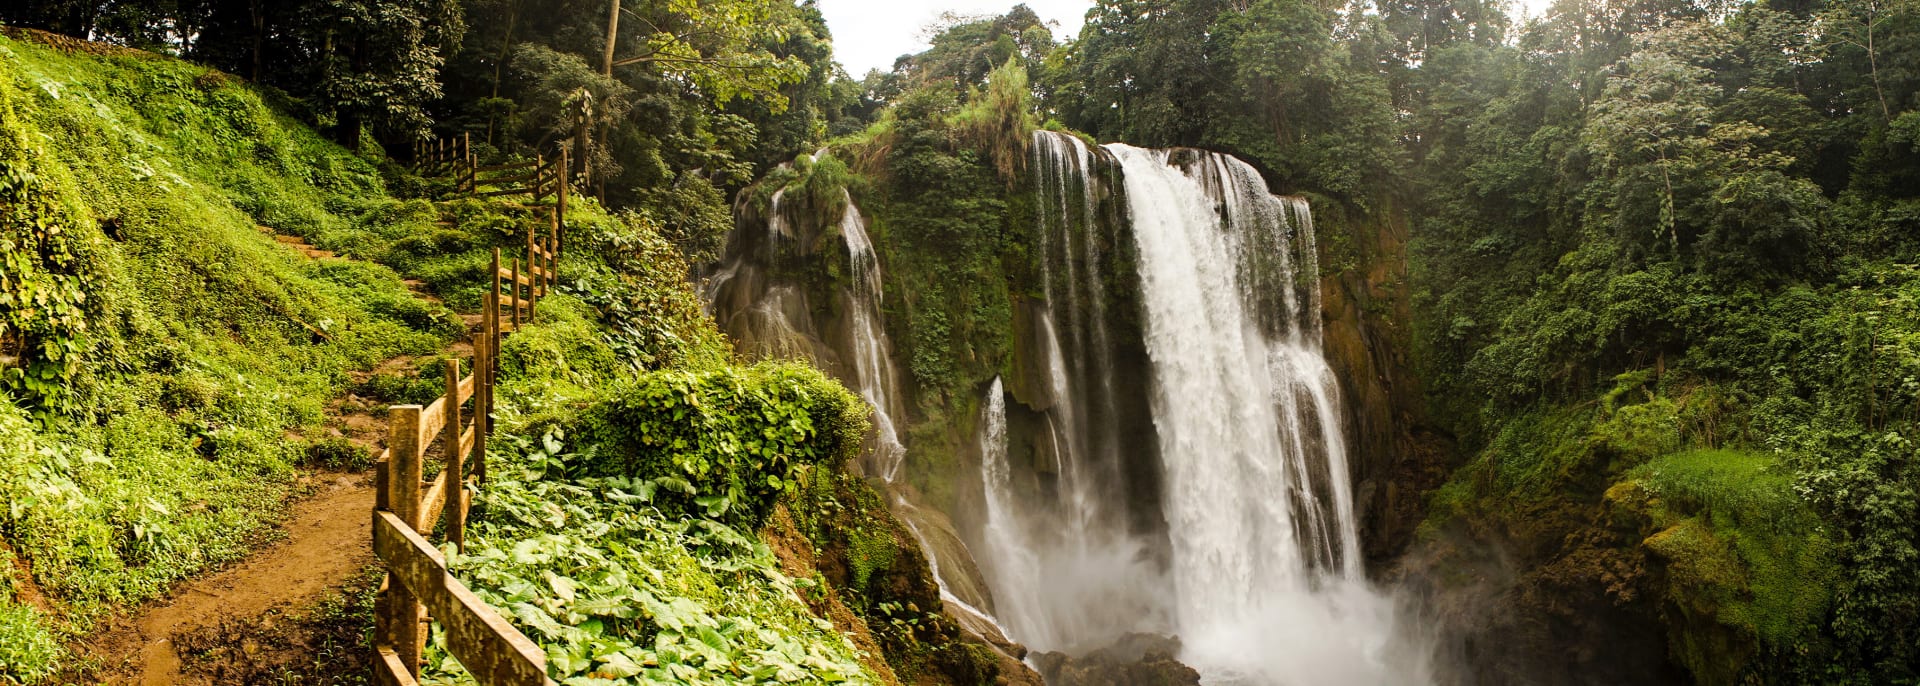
<point x="539" y="177"/>
<point x="444" y="155"/>
<point x="407" y="508"/>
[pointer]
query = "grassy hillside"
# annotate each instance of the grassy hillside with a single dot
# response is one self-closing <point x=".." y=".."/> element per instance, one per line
<point x="164" y="358"/>
<point x="162" y="354"/>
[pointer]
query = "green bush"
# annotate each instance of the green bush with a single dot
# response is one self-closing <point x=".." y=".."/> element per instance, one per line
<point x="1782" y="565"/>
<point x="736" y="436"/>
<point x="28" y="652"/>
<point x="617" y="593"/>
<point x="338" y="454"/>
<point x="426" y="382"/>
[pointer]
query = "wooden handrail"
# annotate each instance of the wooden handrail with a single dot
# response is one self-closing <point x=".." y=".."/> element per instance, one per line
<point x="487" y="646"/>
<point x="418" y="585"/>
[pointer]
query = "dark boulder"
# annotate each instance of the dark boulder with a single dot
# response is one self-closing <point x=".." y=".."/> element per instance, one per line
<point x="1134" y="660"/>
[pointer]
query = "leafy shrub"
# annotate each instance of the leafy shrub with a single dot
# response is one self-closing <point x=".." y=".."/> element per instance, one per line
<point x="50" y="256"/>
<point x="338" y="454"/>
<point x="419" y="315"/>
<point x="28" y="651"/>
<point x="564" y="346"/>
<point x="418" y="388"/>
<point x="639" y="292"/>
<point x="737" y="436"/>
<point x="616" y="593"/>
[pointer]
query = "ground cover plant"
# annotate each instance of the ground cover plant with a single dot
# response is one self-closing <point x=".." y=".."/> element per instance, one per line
<point x="157" y="346"/>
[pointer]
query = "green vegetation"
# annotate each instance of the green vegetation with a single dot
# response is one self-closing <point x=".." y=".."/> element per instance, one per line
<point x="1659" y="269"/>
<point x="732" y="441"/>
<point x="611" y="530"/>
<point x="157" y="345"/>
<point x="1782" y="564"/>
<point x="618" y="592"/>
<point x="160" y="346"/>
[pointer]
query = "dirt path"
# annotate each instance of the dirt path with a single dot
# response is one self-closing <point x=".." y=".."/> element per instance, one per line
<point x="326" y="546"/>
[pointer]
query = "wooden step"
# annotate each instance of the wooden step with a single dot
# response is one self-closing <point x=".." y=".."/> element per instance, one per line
<point x="290" y="239"/>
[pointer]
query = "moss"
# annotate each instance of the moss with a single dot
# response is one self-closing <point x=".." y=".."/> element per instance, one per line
<point x="869" y="550"/>
<point x="863" y="550"/>
<point x="1740" y="564"/>
<point x="1746" y="502"/>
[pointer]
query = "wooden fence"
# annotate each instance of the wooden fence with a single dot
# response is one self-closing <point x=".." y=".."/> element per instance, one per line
<point x="542" y="177"/>
<point x="407" y="508"/>
<point x="444" y="155"/>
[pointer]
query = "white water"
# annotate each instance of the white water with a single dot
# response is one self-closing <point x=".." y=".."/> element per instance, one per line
<point x="1065" y="572"/>
<point x="1265" y="559"/>
<point x="872" y="353"/>
<point x="1259" y="573"/>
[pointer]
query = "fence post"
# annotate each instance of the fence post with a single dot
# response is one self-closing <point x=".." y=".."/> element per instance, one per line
<point x="403" y="494"/>
<point x="560" y="204"/>
<point x="456" y="469"/>
<point x="483" y="388"/>
<point x="553" y="257"/>
<point x="533" y="275"/>
<point x="513" y="286"/>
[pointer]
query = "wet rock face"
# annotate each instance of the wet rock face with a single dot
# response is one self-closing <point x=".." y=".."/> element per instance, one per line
<point x="1134" y="660"/>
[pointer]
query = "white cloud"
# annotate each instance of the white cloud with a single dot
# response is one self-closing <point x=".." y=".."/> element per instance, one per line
<point x="869" y="34"/>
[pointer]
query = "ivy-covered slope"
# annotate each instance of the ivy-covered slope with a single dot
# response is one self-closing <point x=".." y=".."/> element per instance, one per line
<point x="156" y="347"/>
<point x="640" y="519"/>
<point x="160" y="350"/>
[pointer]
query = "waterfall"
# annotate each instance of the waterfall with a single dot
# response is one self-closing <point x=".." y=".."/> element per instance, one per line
<point x="1017" y="567"/>
<point x="1265" y="555"/>
<point x="872" y="354"/>
<point x="1170" y="456"/>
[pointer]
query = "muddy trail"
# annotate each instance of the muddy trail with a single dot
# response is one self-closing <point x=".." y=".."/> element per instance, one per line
<point x="278" y="611"/>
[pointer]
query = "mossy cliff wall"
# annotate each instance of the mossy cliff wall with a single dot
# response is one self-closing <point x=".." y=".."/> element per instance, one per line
<point x="1396" y="452"/>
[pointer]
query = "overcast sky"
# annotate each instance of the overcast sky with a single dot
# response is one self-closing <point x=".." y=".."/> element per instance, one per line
<point x="868" y="34"/>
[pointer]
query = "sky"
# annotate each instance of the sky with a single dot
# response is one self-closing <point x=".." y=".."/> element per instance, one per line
<point x="869" y="34"/>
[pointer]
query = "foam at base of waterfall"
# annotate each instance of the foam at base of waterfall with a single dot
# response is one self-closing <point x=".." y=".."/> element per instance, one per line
<point x="1345" y="633"/>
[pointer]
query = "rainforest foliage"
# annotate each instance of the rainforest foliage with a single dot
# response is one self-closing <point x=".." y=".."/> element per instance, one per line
<point x="1660" y="276"/>
<point x="165" y="357"/>
<point x="1661" y="279"/>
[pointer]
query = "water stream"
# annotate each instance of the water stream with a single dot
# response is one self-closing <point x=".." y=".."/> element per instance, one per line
<point x="1265" y="554"/>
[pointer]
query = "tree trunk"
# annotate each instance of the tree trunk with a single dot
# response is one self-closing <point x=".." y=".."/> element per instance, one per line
<point x="613" y="33"/>
<point x="500" y="65"/>
<point x="259" y="36"/>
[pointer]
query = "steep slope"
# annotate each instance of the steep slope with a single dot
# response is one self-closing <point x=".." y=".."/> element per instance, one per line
<point x="166" y="359"/>
<point x="179" y="355"/>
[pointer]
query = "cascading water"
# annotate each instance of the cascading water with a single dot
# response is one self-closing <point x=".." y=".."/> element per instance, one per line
<point x="1175" y="463"/>
<point x="1265" y="552"/>
<point x="1261" y="576"/>
<point x="1066" y="573"/>
<point x="872" y="355"/>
